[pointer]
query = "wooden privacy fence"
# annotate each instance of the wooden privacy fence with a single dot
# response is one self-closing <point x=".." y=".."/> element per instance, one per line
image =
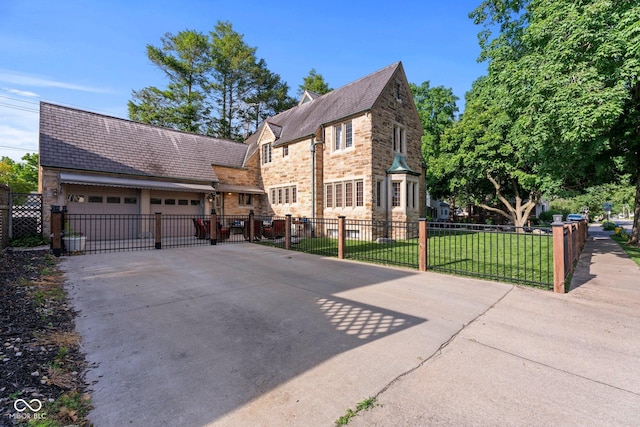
<point x="5" y="212"/>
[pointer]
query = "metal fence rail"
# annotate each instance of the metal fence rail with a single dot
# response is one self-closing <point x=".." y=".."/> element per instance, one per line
<point x="317" y="236"/>
<point x="382" y="242"/>
<point x="96" y="233"/>
<point x="511" y="254"/>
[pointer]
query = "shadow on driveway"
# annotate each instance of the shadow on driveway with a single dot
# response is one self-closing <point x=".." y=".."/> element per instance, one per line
<point x="183" y="337"/>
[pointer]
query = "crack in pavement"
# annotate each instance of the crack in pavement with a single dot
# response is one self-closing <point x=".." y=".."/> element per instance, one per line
<point x="438" y="352"/>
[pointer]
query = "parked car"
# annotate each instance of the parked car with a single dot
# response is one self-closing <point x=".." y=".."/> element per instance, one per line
<point x="575" y="217"/>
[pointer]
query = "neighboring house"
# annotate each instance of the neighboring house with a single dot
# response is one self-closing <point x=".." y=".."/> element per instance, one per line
<point x="354" y="152"/>
<point x="441" y="210"/>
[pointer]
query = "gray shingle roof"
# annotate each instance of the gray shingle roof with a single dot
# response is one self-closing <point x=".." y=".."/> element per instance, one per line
<point x="355" y="97"/>
<point x="81" y="140"/>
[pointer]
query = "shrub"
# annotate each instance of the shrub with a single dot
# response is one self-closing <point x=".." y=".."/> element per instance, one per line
<point x="27" y="242"/>
<point x="608" y="225"/>
<point x="547" y="216"/>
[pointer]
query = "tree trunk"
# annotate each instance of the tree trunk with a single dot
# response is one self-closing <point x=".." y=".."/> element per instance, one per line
<point x="518" y="214"/>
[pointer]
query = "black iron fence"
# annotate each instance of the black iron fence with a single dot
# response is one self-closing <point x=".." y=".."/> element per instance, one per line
<point x="520" y="255"/>
<point x="511" y="254"/>
<point x="97" y="233"/>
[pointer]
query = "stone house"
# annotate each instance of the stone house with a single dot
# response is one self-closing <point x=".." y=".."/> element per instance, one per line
<point x="353" y="152"/>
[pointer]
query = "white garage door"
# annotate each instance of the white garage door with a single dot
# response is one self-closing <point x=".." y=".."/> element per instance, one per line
<point x="102" y="200"/>
<point x="102" y="209"/>
<point x="171" y="204"/>
<point x="176" y="203"/>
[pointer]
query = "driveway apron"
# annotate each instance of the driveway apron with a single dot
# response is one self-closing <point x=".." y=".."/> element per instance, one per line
<point x="248" y="335"/>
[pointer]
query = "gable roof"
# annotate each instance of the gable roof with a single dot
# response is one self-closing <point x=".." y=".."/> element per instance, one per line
<point x="81" y="140"/>
<point x="356" y="97"/>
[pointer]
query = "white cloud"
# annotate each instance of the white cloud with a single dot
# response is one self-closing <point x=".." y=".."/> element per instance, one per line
<point x="27" y="80"/>
<point x="18" y="133"/>
<point x="24" y="93"/>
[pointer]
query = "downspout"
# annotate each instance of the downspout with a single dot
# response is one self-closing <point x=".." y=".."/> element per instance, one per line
<point x="313" y="180"/>
<point x="320" y="130"/>
<point x="386" y="204"/>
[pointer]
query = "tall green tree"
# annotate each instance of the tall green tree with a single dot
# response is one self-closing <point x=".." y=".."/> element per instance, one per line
<point x="567" y="74"/>
<point x="267" y="97"/>
<point x="314" y="82"/>
<point x="21" y="177"/>
<point x="216" y="86"/>
<point x="244" y="91"/>
<point x="480" y="161"/>
<point x="185" y="61"/>
<point x="437" y="110"/>
<point x="234" y="63"/>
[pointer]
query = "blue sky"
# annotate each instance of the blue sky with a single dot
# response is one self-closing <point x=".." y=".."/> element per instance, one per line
<point x="91" y="54"/>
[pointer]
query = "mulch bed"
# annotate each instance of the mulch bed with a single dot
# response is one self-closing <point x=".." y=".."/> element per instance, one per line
<point x="41" y="362"/>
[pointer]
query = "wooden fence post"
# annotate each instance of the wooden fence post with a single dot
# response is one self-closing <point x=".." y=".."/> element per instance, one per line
<point x="252" y="225"/>
<point x="558" y="256"/>
<point x="158" y="230"/>
<point x="56" y="230"/>
<point x="423" y="235"/>
<point x="571" y="246"/>
<point x="342" y="234"/>
<point x="287" y="231"/>
<point x="213" y="227"/>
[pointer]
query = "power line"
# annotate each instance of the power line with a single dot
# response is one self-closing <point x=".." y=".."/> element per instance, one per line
<point x="19" y="107"/>
<point x="16" y="148"/>
<point x="19" y="100"/>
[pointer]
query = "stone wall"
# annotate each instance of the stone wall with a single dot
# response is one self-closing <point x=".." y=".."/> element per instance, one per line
<point x="292" y="170"/>
<point x="371" y="155"/>
<point x="52" y="195"/>
<point x="395" y="107"/>
<point x="247" y="176"/>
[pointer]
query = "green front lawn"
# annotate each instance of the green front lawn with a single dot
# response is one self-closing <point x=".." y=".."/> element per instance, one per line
<point x="509" y="257"/>
<point x="632" y="251"/>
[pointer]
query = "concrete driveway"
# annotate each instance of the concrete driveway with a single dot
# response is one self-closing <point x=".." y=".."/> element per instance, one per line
<point x="247" y="335"/>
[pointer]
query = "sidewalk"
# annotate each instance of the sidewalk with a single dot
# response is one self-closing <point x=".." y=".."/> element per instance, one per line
<point x="535" y="358"/>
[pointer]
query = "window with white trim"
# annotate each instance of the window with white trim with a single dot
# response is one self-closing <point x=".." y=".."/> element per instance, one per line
<point x="347" y="194"/>
<point x="343" y="136"/>
<point x="396" y="195"/>
<point x="266" y="153"/>
<point x="338" y="190"/>
<point x="284" y="195"/>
